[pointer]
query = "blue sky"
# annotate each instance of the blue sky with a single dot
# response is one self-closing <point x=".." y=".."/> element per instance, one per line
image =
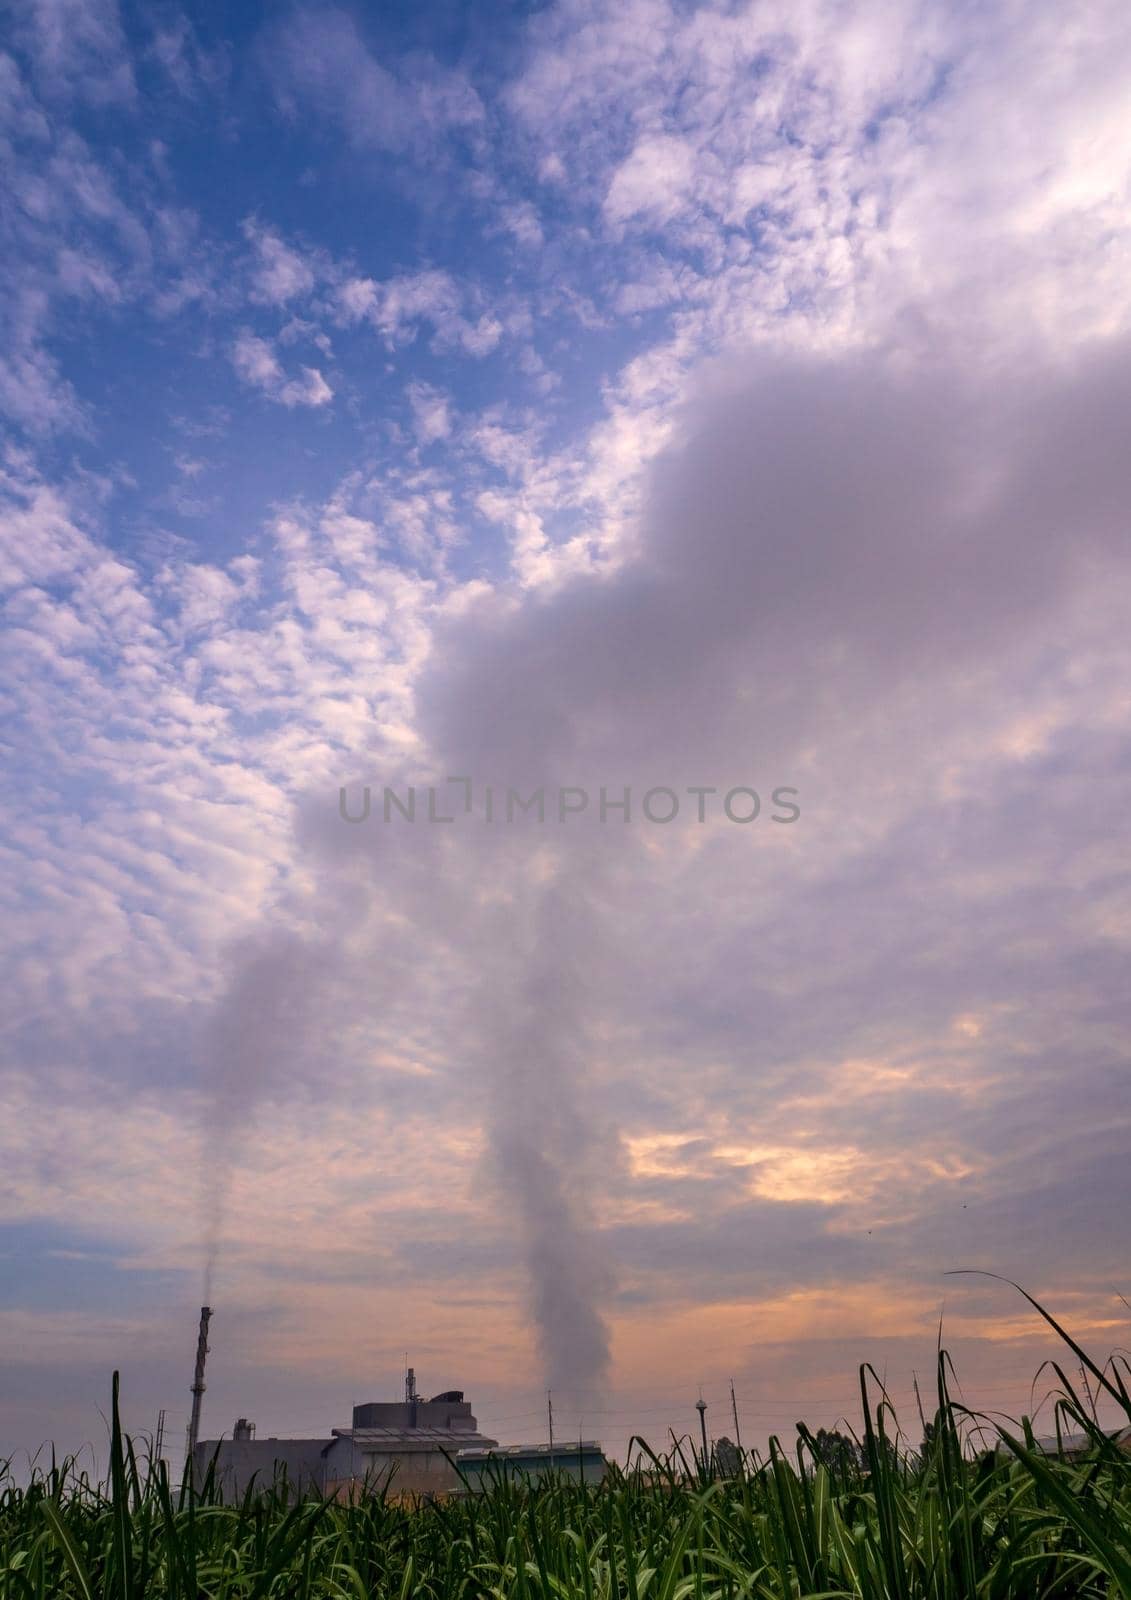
<point x="560" y="396"/>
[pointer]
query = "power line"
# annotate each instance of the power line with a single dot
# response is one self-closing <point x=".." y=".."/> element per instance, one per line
<point x="721" y="1394"/>
<point x="1004" y="1396"/>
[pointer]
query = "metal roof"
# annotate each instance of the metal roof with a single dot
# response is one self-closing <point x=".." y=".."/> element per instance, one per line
<point x="1051" y="1444"/>
<point x="406" y="1439"/>
<point x="557" y="1452"/>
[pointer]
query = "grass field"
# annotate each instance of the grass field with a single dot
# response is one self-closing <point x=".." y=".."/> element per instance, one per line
<point x="979" y="1511"/>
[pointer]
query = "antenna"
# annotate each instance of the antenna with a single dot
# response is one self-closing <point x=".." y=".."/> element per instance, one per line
<point x="198" y="1380"/>
<point x="550" y="1416"/>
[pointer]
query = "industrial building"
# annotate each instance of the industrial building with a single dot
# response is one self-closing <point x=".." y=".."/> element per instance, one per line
<point x="480" y="1466"/>
<point x="406" y="1446"/>
<point x="412" y="1448"/>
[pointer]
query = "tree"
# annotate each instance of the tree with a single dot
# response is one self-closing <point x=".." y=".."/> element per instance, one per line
<point x="838" y="1453"/>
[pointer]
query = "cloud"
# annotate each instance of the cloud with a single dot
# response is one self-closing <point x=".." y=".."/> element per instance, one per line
<point x="398" y="305"/>
<point x="520" y="219"/>
<point x="80" y="50"/>
<point x="34" y="394"/>
<point x="830" y="494"/>
<point x="430" y="411"/>
<point x="848" y="174"/>
<point x="280" y="273"/>
<point x="788" y="624"/>
<point x="318" y="58"/>
<point x="711" y="987"/>
<point x="772" y="623"/>
<point x="257" y="364"/>
<point x="71" y="233"/>
<point x="192" y="69"/>
<point x="655" y="181"/>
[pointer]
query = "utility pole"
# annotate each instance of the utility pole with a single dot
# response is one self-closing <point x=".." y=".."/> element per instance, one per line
<point x="919" y="1401"/>
<point x="701" y="1407"/>
<point x="550" y="1419"/>
<point x="734" y="1411"/>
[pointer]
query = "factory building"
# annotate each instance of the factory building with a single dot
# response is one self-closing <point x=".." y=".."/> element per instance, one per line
<point x="410" y="1445"/>
<point x="405" y="1445"/>
<point x="481" y="1466"/>
<point x="244" y="1460"/>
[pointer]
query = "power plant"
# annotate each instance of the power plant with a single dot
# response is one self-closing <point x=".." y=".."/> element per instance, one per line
<point x="412" y="1447"/>
<point x="406" y="1447"/>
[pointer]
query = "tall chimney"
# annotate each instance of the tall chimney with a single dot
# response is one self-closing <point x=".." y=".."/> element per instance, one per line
<point x="198" y="1379"/>
<point x="410" y="1395"/>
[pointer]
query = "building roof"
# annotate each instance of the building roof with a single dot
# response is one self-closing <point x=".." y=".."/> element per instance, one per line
<point x="238" y="1459"/>
<point x="406" y="1440"/>
<point x="257" y="1445"/>
<point x="1078" y="1443"/>
<point x="511" y="1451"/>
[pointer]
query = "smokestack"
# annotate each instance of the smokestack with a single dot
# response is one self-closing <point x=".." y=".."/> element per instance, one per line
<point x="198" y="1379"/>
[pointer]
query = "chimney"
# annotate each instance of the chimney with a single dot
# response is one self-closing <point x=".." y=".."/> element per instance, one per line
<point x="198" y="1379"/>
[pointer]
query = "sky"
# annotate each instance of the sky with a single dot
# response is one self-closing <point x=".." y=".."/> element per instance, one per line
<point x="720" y="403"/>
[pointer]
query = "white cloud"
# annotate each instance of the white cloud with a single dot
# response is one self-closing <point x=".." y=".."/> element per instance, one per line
<point x="309" y="390"/>
<point x="79" y="49"/>
<point x="192" y="69"/>
<point x="769" y="567"/>
<point x="431" y="412"/>
<point x="521" y="221"/>
<point x="970" y="170"/>
<point x="257" y="364"/>
<point x="280" y="274"/>
<point x="397" y="306"/>
<point x="318" y="59"/>
<point x="655" y="181"/>
<point x="256" y="361"/>
<point x="33" y="393"/>
<point x="87" y="277"/>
